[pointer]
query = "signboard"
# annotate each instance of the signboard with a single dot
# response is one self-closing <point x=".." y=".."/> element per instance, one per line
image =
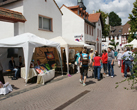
<point x="97" y="39"/>
<point x="79" y="38"/>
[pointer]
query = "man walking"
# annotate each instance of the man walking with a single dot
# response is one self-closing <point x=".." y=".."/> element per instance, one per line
<point x="110" y="63"/>
<point x="128" y="58"/>
<point x="105" y="61"/>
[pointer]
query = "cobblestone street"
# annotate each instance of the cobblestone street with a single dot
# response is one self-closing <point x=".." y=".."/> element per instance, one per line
<point x="69" y="94"/>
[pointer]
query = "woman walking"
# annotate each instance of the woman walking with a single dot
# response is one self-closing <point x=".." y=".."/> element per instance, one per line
<point x="105" y="61"/>
<point x="97" y="66"/>
<point x="119" y="57"/>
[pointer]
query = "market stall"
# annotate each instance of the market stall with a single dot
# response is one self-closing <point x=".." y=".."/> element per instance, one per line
<point x="67" y="44"/>
<point x="28" y="42"/>
<point x="132" y="44"/>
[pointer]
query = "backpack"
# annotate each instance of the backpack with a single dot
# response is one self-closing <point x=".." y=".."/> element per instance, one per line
<point x="85" y="61"/>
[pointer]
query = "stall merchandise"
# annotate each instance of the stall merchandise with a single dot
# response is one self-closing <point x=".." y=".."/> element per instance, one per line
<point x="66" y="43"/>
<point x="28" y="42"/>
<point x="5" y="89"/>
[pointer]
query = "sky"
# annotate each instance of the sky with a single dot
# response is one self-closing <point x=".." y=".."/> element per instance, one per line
<point x="122" y="7"/>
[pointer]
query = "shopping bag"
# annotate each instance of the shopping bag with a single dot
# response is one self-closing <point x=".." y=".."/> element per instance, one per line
<point x="93" y="64"/>
<point x="101" y="65"/>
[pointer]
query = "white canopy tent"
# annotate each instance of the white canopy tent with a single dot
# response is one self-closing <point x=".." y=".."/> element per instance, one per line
<point x="66" y="43"/>
<point x="87" y="45"/>
<point x="28" y="42"/>
<point x="133" y="43"/>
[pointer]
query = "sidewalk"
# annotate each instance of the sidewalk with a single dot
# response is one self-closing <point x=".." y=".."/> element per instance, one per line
<point x="96" y="95"/>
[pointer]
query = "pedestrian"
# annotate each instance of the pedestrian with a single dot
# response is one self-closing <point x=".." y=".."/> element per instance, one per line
<point x="123" y="64"/>
<point x="85" y="59"/>
<point x="77" y="62"/>
<point x="97" y="66"/>
<point x="91" y="57"/>
<point x="105" y="61"/>
<point x="115" y="54"/>
<point x="119" y="58"/>
<point x="110" y="63"/>
<point x="128" y="59"/>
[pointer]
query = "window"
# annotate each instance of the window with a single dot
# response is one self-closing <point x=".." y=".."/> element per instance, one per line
<point x="92" y="31"/>
<point x="45" y="23"/>
<point x="117" y="37"/>
<point x="109" y="38"/>
<point x="98" y="33"/>
<point x="87" y="28"/>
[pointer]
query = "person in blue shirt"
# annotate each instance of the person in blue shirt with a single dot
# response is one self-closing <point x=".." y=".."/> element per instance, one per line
<point x="77" y="62"/>
<point x="128" y="59"/>
<point x="84" y="60"/>
<point x="115" y="54"/>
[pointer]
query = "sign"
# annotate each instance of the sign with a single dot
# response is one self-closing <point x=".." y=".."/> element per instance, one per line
<point x="78" y="38"/>
<point x="97" y="39"/>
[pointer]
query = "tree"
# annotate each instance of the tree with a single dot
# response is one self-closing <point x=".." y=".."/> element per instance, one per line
<point x="114" y="19"/>
<point x="106" y="29"/>
<point x="133" y="22"/>
<point x="113" y="43"/>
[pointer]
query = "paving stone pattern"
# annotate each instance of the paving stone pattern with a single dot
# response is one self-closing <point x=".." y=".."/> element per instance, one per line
<point x="102" y="95"/>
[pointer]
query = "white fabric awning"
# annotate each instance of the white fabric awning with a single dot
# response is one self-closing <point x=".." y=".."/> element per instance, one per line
<point x="28" y="42"/>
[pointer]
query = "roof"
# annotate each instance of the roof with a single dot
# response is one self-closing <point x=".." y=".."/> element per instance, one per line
<point x="7" y="2"/>
<point x="11" y="16"/>
<point x="94" y="17"/>
<point x="66" y="42"/>
<point x="12" y="1"/>
<point x="72" y="7"/>
<point x="77" y="6"/>
<point x="116" y="31"/>
<point x="58" y="7"/>
<point x="126" y="28"/>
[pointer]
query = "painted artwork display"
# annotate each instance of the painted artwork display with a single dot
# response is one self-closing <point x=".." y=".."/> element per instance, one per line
<point x="43" y="69"/>
<point x="39" y="70"/>
<point x="52" y="64"/>
<point x="49" y="55"/>
<point x="71" y="53"/>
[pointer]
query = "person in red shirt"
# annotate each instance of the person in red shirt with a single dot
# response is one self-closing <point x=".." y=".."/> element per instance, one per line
<point x="97" y="66"/>
<point x="105" y="61"/>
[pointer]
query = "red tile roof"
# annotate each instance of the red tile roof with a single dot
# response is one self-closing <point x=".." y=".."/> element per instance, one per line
<point x="11" y="16"/>
<point x="72" y="7"/>
<point x="94" y="17"/>
<point x="126" y="28"/>
<point x="8" y="2"/>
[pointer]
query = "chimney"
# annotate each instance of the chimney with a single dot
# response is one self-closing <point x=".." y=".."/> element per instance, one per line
<point x="93" y="11"/>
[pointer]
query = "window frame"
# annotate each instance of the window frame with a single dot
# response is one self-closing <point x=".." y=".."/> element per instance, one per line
<point x="42" y="23"/>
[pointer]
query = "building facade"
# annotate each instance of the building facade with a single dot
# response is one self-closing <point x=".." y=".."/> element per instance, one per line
<point x="77" y="25"/>
<point x="119" y="34"/>
<point x="43" y="18"/>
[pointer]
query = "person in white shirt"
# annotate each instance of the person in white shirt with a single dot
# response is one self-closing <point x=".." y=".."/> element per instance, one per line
<point x="119" y="58"/>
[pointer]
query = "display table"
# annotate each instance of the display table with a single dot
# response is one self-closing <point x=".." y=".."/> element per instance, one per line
<point x="42" y="78"/>
<point x="31" y="74"/>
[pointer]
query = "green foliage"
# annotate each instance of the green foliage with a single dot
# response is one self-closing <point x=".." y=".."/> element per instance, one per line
<point x="114" y="19"/>
<point x="133" y="22"/>
<point x="113" y="43"/>
<point x="106" y="29"/>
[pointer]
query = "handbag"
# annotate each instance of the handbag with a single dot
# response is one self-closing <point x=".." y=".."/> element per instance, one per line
<point x="93" y="64"/>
